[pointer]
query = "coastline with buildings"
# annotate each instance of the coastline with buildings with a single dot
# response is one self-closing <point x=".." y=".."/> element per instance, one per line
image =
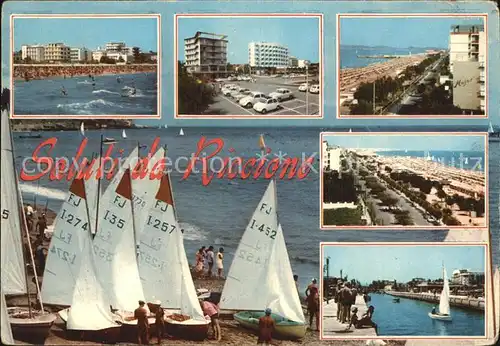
<point x="422" y="81"/>
<point x="374" y="187"/>
<point x="407" y="288"/>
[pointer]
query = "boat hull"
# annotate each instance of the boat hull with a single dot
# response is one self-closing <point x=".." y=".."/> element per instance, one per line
<point x="35" y="329"/>
<point x="440" y="317"/>
<point x="285" y="329"/>
<point x="187" y="330"/>
<point x="107" y="336"/>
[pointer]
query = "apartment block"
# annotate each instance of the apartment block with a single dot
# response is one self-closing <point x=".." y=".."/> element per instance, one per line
<point x="206" y="53"/>
<point x="33" y="52"/>
<point x="80" y="54"/>
<point x="467" y="61"/>
<point x="265" y="54"/>
<point x="57" y="52"/>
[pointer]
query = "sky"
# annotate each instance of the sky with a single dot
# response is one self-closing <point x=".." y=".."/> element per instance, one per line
<point x="409" y="142"/>
<point x="400" y="32"/>
<point x="402" y="263"/>
<point x="300" y="35"/>
<point x="87" y="32"/>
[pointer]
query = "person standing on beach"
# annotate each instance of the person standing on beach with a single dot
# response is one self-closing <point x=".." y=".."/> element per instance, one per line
<point x="338" y="300"/>
<point x="159" y="320"/>
<point x="41" y="226"/>
<point x="312" y="298"/>
<point x="211" y="310"/>
<point x="266" y="328"/>
<point x="141" y="315"/>
<point x="296" y="280"/>
<point x="354" y="295"/>
<point x="198" y="268"/>
<point x="210" y="260"/>
<point x="346" y="303"/>
<point x="220" y="264"/>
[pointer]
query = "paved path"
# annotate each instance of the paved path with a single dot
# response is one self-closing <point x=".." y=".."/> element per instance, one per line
<point x="332" y="327"/>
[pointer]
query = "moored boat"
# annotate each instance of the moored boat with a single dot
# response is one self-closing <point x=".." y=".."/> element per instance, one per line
<point x="31" y="329"/>
<point x="187" y="328"/>
<point x="285" y="328"/>
<point x="396" y="300"/>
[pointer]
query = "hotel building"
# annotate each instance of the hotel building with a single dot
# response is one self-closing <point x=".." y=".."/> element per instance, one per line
<point x="206" y="53"/>
<point x="80" y="54"/>
<point x="57" y="52"/>
<point x="265" y="54"/>
<point x="467" y="60"/>
<point x="34" y="52"/>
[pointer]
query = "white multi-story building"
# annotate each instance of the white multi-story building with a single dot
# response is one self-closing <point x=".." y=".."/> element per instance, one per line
<point x="265" y="54"/>
<point x="465" y="277"/>
<point x="206" y="53"/>
<point x="34" y="52"/>
<point x="57" y="52"/>
<point x="80" y="54"/>
<point x="467" y="58"/>
<point x="293" y="61"/>
<point x="331" y="157"/>
<point x="98" y="54"/>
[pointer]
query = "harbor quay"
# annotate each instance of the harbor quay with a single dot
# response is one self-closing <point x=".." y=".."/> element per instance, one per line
<point x="458" y="301"/>
<point x="332" y="327"/>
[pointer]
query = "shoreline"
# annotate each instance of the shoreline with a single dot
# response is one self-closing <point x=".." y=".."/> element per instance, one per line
<point x="40" y="72"/>
<point x="466" y="303"/>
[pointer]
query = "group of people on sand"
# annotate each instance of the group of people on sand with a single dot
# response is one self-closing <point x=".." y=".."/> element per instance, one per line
<point x="205" y="260"/>
<point x="41" y="72"/>
<point x="37" y="225"/>
<point x="345" y="295"/>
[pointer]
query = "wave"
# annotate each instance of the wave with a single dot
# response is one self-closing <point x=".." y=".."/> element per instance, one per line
<point x="192" y="232"/>
<point x="305" y="260"/>
<point x="48" y="192"/>
<point x="82" y="106"/>
<point x="104" y="91"/>
<point x="84" y="82"/>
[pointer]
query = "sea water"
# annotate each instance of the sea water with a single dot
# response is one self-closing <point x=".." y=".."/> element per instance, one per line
<point x="111" y="95"/>
<point x="218" y="214"/>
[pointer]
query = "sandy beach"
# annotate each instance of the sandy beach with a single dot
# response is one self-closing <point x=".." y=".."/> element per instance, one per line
<point x="351" y="78"/>
<point x="39" y="71"/>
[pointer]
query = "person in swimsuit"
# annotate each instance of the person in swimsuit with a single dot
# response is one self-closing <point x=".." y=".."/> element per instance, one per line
<point x="266" y="328"/>
<point x="141" y="315"/>
<point x="312" y="298"/>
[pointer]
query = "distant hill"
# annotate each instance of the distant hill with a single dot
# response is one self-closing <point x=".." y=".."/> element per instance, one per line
<point x="19" y="125"/>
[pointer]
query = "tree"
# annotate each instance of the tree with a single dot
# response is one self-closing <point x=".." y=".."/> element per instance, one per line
<point x="441" y="194"/>
<point x="120" y="59"/>
<point x="136" y="52"/>
<point x="194" y="97"/>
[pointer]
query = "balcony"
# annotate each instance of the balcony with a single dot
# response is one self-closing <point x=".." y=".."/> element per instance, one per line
<point x="482" y="77"/>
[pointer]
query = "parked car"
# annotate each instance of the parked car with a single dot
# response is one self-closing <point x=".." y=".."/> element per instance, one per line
<point x="253" y="98"/>
<point x="241" y="94"/>
<point x="314" y="89"/>
<point x="268" y="105"/>
<point x="238" y="91"/>
<point x="303" y="87"/>
<point x="281" y="94"/>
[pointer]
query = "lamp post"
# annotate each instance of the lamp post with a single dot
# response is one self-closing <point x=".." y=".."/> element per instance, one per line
<point x="307" y="86"/>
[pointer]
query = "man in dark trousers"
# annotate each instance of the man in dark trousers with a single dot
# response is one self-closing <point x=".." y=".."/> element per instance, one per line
<point x="266" y="328"/>
<point x="160" y="320"/>
<point x="41" y="226"/>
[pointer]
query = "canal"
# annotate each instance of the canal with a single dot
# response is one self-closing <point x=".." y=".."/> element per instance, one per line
<point x="410" y="318"/>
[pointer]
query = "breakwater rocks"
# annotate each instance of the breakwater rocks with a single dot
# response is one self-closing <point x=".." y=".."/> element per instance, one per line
<point x="463" y="302"/>
<point x="40" y="71"/>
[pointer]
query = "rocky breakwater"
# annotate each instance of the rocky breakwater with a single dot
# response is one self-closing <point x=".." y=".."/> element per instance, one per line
<point x="42" y="71"/>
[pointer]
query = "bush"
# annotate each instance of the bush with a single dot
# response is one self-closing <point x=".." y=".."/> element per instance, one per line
<point x="343" y="217"/>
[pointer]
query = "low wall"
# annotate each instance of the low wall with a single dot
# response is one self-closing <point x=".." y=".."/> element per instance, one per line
<point x="469" y="303"/>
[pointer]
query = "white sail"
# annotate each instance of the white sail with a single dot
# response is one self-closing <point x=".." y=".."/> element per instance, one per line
<point x="144" y="190"/>
<point x="7" y="338"/>
<point x="283" y="296"/>
<point x="114" y="243"/>
<point x="350" y="130"/>
<point x="13" y="274"/>
<point x="65" y="251"/>
<point x="181" y="132"/>
<point x="124" y="135"/>
<point x="90" y="305"/>
<point x="82" y="129"/>
<point x="166" y="126"/>
<point x="248" y="286"/>
<point x="162" y="258"/>
<point x="444" y="299"/>
<point x="490" y="128"/>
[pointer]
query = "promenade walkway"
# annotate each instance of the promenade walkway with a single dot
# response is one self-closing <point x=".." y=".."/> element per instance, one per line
<point x="332" y="327"/>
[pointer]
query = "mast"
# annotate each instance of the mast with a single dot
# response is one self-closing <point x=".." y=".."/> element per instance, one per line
<point x="171" y="187"/>
<point x="25" y="224"/>
<point x="134" y="226"/>
<point x="98" y="188"/>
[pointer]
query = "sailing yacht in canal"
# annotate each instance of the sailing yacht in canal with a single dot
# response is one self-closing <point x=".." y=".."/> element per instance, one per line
<point x="444" y="302"/>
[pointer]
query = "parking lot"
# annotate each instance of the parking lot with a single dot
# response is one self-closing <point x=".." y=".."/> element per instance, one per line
<point x="301" y="104"/>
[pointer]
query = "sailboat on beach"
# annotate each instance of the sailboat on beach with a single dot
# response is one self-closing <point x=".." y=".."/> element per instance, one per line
<point x="444" y="302"/>
<point x="27" y="323"/>
<point x="261" y="275"/>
